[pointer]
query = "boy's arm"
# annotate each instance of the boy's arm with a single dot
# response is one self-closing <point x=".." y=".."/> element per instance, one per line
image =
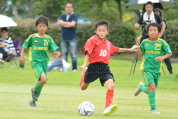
<point x="161" y="58"/>
<point x="83" y="67"/>
<point x="139" y="53"/>
<point x="133" y="49"/>
<point x="22" y="59"/>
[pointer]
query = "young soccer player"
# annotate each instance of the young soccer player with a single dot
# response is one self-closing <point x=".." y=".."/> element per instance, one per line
<point x="152" y="50"/>
<point x="97" y="51"/>
<point x="38" y="45"/>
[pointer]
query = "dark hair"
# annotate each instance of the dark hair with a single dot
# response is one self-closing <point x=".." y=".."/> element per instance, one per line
<point x="157" y="9"/>
<point x="102" y="23"/>
<point x="154" y="25"/>
<point x="4" y="29"/>
<point x="71" y="4"/>
<point x="43" y="20"/>
<point x="149" y="3"/>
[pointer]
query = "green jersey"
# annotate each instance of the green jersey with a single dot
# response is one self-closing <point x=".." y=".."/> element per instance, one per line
<point x="150" y="51"/>
<point x="38" y="47"/>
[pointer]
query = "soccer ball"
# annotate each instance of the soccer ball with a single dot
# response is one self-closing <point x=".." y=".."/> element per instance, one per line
<point x="86" y="109"/>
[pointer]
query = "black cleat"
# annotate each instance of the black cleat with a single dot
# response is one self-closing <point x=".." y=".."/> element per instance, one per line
<point x="32" y="104"/>
<point x="34" y="95"/>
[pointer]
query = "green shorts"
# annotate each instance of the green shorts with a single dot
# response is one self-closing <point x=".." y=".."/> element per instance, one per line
<point x="39" y="68"/>
<point x="151" y="77"/>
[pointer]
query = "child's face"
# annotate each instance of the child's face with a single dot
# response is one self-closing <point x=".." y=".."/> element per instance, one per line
<point x="102" y="31"/>
<point x="157" y="12"/>
<point x="153" y="32"/>
<point x="4" y="34"/>
<point x="41" y="27"/>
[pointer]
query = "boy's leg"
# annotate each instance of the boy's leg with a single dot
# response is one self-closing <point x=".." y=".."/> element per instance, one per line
<point x="87" y="77"/>
<point x="109" y="109"/>
<point x="151" y="98"/>
<point x="82" y="78"/>
<point x="141" y="87"/>
<point x="152" y="79"/>
<point x="40" y="74"/>
<point x="83" y="85"/>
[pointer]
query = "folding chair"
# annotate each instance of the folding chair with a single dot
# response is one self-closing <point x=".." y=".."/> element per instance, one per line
<point x="12" y="59"/>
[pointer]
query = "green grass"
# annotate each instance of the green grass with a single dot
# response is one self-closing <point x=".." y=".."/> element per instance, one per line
<point x="61" y="95"/>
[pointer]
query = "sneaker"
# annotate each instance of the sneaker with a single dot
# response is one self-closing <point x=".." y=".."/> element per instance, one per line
<point x="74" y="70"/>
<point x="34" y="95"/>
<point x="155" y="111"/>
<point x="137" y="91"/>
<point x="111" y="109"/>
<point x="1" y="60"/>
<point x="171" y="73"/>
<point x="32" y="104"/>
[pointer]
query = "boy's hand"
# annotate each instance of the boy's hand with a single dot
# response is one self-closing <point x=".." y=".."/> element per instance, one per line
<point x="83" y="68"/>
<point x="134" y="48"/>
<point x="159" y="59"/>
<point x="59" y="54"/>
<point x="21" y="60"/>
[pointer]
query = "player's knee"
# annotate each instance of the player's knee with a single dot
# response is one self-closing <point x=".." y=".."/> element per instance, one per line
<point x="152" y="87"/>
<point x="111" y="86"/>
<point x="43" y="79"/>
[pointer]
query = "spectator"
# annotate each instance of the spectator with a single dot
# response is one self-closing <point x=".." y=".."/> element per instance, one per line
<point x="6" y="45"/>
<point x="167" y="60"/>
<point x="68" y="21"/>
<point x="149" y="17"/>
<point x="58" y="62"/>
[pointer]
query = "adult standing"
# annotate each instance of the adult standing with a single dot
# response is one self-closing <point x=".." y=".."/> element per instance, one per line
<point x="167" y="60"/>
<point x="149" y="17"/>
<point x="68" y="22"/>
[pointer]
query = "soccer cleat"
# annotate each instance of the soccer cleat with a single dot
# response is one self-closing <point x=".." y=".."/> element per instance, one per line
<point x="34" y="95"/>
<point x="137" y="91"/>
<point x="111" y="109"/>
<point x="32" y="104"/>
<point x="155" y="111"/>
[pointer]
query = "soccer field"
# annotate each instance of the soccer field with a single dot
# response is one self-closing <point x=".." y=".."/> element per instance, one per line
<point x="61" y="95"/>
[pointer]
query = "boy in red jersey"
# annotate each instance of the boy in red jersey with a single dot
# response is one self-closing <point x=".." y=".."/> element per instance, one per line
<point x="97" y="51"/>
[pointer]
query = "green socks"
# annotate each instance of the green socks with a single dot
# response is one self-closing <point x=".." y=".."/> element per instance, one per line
<point x="143" y="88"/>
<point x="151" y="98"/>
<point x="37" y="87"/>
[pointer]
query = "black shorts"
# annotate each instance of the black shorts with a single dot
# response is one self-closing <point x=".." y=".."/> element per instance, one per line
<point x="5" y="55"/>
<point x="98" y="70"/>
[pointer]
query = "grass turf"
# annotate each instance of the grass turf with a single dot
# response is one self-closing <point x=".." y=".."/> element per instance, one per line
<point x="61" y="95"/>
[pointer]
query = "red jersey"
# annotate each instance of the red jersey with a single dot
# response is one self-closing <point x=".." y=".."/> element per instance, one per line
<point x="99" y="50"/>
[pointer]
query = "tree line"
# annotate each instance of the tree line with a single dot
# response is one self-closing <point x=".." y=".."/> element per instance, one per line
<point x="92" y="10"/>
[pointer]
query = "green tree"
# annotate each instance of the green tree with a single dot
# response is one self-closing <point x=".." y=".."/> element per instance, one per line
<point x="14" y="9"/>
<point x="49" y="8"/>
<point x="30" y="12"/>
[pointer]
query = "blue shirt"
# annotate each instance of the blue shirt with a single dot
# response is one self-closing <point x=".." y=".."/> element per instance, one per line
<point x="69" y="33"/>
